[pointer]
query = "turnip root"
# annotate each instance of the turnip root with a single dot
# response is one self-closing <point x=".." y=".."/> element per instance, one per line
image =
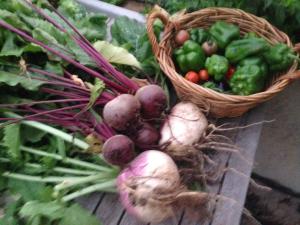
<point x="151" y="190"/>
<point x="122" y="112"/>
<point x="184" y="126"/>
<point x="118" y="150"/>
<point x="186" y="135"/>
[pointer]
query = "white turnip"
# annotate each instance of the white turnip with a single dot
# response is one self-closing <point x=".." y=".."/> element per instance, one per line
<point x="151" y="190"/>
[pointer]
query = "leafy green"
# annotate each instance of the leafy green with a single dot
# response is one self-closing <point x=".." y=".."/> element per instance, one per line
<point x="287" y="11"/>
<point x="96" y="91"/>
<point x="12" y="139"/>
<point x="25" y="81"/>
<point x="115" y="54"/>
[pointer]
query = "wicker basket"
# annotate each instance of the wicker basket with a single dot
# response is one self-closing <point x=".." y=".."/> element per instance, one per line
<point x="218" y="104"/>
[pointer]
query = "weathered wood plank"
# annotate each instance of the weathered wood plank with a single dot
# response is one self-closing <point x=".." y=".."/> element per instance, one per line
<point x="235" y="184"/>
<point x="130" y="220"/>
<point x="223" y="159"/>
<point x="90" y="202"/>
<point x="110" y="210"/>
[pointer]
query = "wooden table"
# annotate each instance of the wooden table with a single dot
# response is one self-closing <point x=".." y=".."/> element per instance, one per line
<point x="234" y="183"/>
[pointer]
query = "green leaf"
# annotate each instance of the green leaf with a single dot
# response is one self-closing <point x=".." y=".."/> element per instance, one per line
<point x="10" y="48"/>
<point x="75" y="215"/>
<point x="50" y="210"/>
<point x="96" y="91"/>
<point x="13" y="19"/>
<point x="25" y="81"/>
<point x="12" y="139"/>
<point x="116" y="54"/>
<point x="31" y="190"/>
<point x="125" y="30"/>
<point x="31" y="134"/>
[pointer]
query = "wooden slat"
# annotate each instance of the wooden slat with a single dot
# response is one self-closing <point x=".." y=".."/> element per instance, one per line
<point x="130" y="220"/>
<point x="110" y="210"/>
<point x="223" y="158"/>
<point x="235" y="185"/>
<point x="90" y="202"/>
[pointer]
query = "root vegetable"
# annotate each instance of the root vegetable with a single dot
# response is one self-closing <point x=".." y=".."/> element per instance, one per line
<point x="184" y="126"/>
<point x="181" y="37"/>
<point x="153" y="101"/>
<point x="122" y="112"/>
<point x="146" y="137"/>
<point x="150" y="189"/>
<point x="118" y="150"/>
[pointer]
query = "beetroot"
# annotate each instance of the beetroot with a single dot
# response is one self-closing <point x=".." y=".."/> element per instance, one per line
<point x="146" y="137"/>
<point x="122" y="112"/>
<point x="153" y="101"/>
<point x="118" y="150"/>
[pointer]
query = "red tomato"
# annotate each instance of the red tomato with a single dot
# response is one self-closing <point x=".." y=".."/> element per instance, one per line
<point x="192" y="76"/>
<point x="230" y="72"/>
<point x="203" y="75"/>
<point x="181" y="37"/>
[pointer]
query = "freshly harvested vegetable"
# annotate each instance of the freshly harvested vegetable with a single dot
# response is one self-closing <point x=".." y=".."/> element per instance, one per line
<point x="199" y="35"/>
<point x="122" y="112"/>
<point x="118" y="150"/>
<point x="151" y="175"/>
<point x="212" y="85"/>
<point x="203" y="75"/>
<point x="153" y="101"/>
<point x="223" y="33"/>
<point x="146" y="137"/>
<point x="183" y="127"/>
<point x="190" y="57"/>
<point x="247" y="80"/>
<point x="181" y="37"/>
<point x="210" y="47"/>
<point x="192" y="77"/>
<point x="255" y="60"/>
<point x="251" y="34"/>
<point x="217" y="66"/>
<point x="150" y="189"/>
<point x="230" y="73"/>
<point x="240" y="49"/>
<point x="279" y="57"/>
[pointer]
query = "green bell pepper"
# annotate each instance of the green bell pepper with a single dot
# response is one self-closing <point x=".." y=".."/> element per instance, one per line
<point x="240" y="49"/>
<point x="217" y="66"/>
<point x="190" y="57"/>
<point x="280" y="57"/>
<point x="223" y="33"/>
<point x="247" y="80"/>
<point x="199" y="35"/>
<point x="251" y="34"/>
<point x="255" y="60"/>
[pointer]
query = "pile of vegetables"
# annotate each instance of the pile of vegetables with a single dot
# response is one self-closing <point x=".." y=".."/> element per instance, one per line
<point x="220" y="59"/>
<point x="104" y="122"/>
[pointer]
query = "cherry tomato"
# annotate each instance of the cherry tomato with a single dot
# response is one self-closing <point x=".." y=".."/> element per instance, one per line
<point x="230" y="72"/>
<point x="203" y="75"/>
<point x="181" y="37"/>
<point x="192" y="76"/>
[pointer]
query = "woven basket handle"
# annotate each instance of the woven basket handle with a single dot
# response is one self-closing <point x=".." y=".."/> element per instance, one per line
<point x="157" y="13"/>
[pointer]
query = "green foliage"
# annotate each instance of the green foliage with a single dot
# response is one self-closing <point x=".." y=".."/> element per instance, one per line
<point x="283" y="14"/>
<point x="12" y="139"/>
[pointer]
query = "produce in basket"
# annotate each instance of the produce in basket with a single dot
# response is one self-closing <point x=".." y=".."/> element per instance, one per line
<point x="223" y="38"/>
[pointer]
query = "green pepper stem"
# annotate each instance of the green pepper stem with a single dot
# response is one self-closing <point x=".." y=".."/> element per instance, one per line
<point x="294" y="57"/>
<point x="51" y="130"/>
<point x="67" y="160"/>
<point x="95" y="177"/>
<point x="96" y="187"/>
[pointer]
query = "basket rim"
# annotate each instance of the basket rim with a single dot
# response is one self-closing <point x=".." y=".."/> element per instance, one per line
<point x="280" y="82"/>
